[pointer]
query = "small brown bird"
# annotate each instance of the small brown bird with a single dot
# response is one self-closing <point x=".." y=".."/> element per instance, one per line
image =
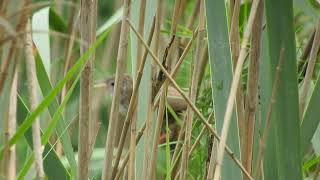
<point x="126" y="88"/>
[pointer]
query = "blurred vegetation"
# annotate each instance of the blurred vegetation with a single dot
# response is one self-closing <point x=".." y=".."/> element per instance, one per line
<point x="305" y="14"/>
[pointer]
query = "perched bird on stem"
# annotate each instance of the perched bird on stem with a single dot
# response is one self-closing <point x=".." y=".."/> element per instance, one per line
<point x="126" y="89"/>
<point x="174" y="100"/>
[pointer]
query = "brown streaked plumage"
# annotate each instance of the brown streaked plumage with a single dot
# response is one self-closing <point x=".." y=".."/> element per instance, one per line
<point x="126" y="92"/>
<point x="126" y="89"/>
<point x="174" y="98"/>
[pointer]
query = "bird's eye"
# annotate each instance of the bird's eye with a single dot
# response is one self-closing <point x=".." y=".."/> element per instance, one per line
<point x="112" y="83"/>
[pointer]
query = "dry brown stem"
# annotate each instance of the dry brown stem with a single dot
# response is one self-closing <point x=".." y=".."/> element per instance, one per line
<point x="252" y="91"/>
<point x="34" y="101"/>
<point x="88" y="18"/>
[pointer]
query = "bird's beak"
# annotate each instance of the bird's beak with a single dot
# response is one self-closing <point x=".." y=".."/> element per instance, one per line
<point x="99" y="85"/>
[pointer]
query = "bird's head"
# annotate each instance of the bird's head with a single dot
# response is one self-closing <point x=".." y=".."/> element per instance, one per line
<point x="125" y="90"/>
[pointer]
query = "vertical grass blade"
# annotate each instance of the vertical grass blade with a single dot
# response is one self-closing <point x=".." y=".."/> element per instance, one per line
<point x="310" y="118"/>
<point x="264" y="95"/>
<point x="144" y="89"/>
<point x="40" y="22"/>
<point x="282" y="158"/>
<point x="221" y="75"/>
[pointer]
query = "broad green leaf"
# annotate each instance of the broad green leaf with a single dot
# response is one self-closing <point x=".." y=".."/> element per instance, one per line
<point x="114" y="19"/>
<point x="221" y="76"/>
<point x="310" y="118"/>
<point x="26" y="167"/>
<point x="283" y="156"/>
<point x="144" y="89"/>
<point x="57" y="118"/>
<point x="56" y="22"/>
<point x="264" y="93"/>
<point x="53" y="167"/>
<point x="41" y="39"/>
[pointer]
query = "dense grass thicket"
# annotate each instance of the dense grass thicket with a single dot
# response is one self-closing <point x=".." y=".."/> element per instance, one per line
<point x="159" y="89"/>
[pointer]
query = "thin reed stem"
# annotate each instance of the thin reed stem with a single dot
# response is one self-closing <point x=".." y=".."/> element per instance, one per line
<point x="34" y="101"/>
<point x="88" y="17"/>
